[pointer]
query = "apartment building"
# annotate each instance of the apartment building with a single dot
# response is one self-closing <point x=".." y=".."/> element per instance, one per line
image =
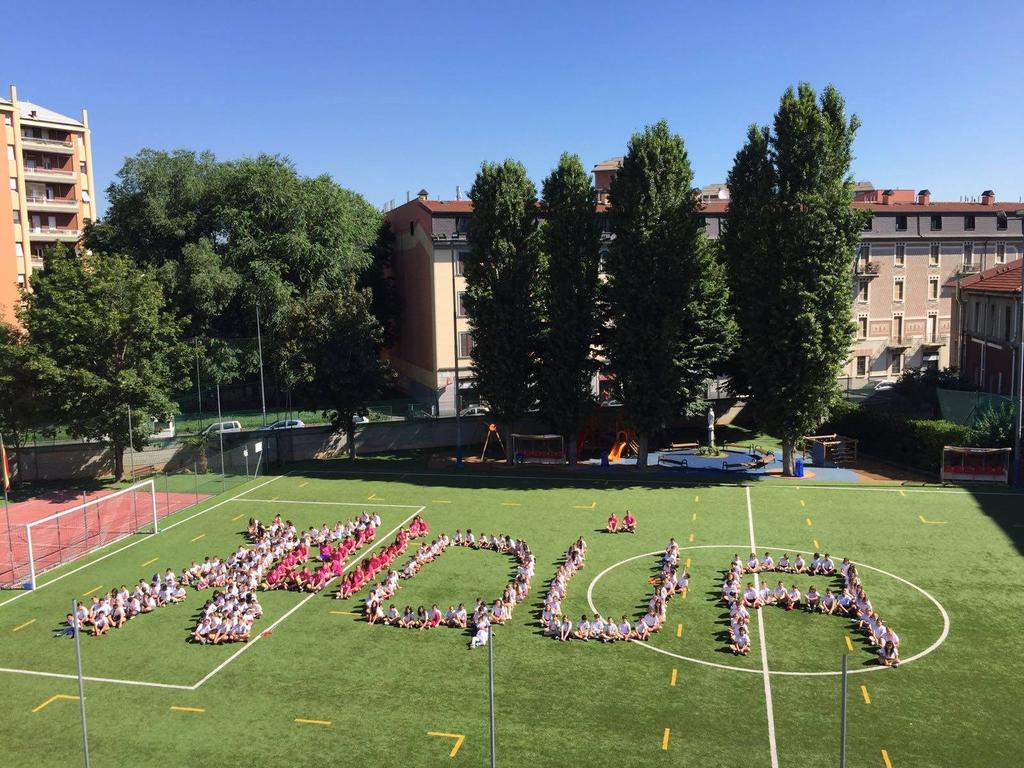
<point x="48" y="165"/>
<point x="911" y="258"/>
<point x="989" y="320"/>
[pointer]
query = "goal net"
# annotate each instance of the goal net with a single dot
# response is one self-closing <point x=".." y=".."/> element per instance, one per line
<point x="67" y="535"/>
<point x="538" y="449"/>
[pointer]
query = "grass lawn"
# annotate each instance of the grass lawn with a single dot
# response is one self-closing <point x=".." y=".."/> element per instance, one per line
<point x="370" y="695"/>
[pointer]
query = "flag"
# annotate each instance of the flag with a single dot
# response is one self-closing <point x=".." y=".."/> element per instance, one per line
<point x="4" y="466"/>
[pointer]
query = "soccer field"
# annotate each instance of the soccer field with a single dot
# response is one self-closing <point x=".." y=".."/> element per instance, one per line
<point x="939" y="565"/>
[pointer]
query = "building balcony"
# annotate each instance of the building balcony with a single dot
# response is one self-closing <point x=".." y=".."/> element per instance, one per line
<point x="969" y="269"/>
<point x="54" y="234"/>
<point x="60" y="146"/>
<point x="899" y="342"/>
<point x="52" y="204"/>
<point x="934" y="340"/>
<point x="49" y="174"/>
<point x="866" y="268"/>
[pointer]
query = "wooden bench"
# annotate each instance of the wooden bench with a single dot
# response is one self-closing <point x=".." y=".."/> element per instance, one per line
<point x="143" y="471"/>
<point x="680" y="446"/>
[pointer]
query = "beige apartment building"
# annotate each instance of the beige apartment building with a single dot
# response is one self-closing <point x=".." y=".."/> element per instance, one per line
<point x="47" y="162"/>
<point x="905" y="280"/>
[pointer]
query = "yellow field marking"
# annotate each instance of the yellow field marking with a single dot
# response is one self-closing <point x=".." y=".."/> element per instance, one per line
<point x="439" y="501"/>
<point x="865" y="694"/>
<point x="188" y="709"/>
<point x="802" y="503"/>
<point x="692" y="538"/>
<point x="816" y="544"/>
<point x="886" y="760"/>
<point x="679" y="630"/>
<point x="58" y="697"/>
<point x="150" y="562"/>
<point x="311" y="722"/>
<point x="694" y="518"/>
<point x="197" y="538"/>
<point x="373" y="497"/>
<point x="511" y="504"/>
<point x="94" y="589"/>
<point x="459" y="738"/>
<point x="930" y="522"/>
<point x="696" y="499"/>
<point x="674" y="673"/>
<point x="275" y="498"/>
<point x="664" y="740"/>
<point x="686" y="591"/>
<point x="236" y="518"/>
<point x="591" y="505"/>
<point x="345" y="613"/>
<point x="849" y="643"/>
<point x="901" y="494"/>
<point x="687" y="563"/>
<point x="303" y="484"/>
<point x="809" y="523"/>
<point x="22" y="626"/>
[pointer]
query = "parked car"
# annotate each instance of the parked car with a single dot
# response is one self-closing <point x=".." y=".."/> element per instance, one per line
<point x="360" y="419"/>
<point x="222" y="428"/>
<point x="288" y="424"/>
<point x="611" y="403"/>
<point x="163" y="429"/>
<point x="475" y="410"/>
<point x="885" y="384"/>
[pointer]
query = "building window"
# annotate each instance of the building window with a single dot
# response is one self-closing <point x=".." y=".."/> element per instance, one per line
<point x="19" y="250"/>
<point x="977" y="317"/>
<point x="862" y="327"/>
<point x="862" y="290"/>
<point x="14" y="184"/>
<point x="465" y="344"/>
<point x="933" y="255"/>
<point x="7" y="118"/>
<point x="1001" y="220"/>
<point x="968" y="254"/>
<point x="85" y="196"/>
<point x="897" y="289"/>
<point x="462" y="304"/>
<point x="896" y="361"/>
<point x="10" y="153"/>
<point x="933" y="288"/>
<point x="81" y="166"/>
<point x="993" y="331"/>
<point x="901" y="254"/>
<point x="412" y="228"/>
<point x="862" y="365"/>
<point x="460" y="263"/>
<point x="969" y="222"/>
<point x="21" y="279"/>
<point x="863" y="257"/>
<point x="868" y="223"/>
<point x="936" y="223"/>
<point x="1000" y="253"/>
<point x="462" y="224"/>
<point x="17" y="216"/>
<point x="897" y="328"/>
<point x="1008" y="323"/>
<point x="901" y="223"/>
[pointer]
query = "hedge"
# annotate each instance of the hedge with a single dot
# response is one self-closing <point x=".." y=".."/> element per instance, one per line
<point x="913" y="442"/>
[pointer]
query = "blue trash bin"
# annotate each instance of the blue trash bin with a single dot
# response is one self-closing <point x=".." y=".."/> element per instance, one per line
<point x="798" y="469"/>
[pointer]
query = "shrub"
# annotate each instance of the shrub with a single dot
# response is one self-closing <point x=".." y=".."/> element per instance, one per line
<point x="994" y="427"/>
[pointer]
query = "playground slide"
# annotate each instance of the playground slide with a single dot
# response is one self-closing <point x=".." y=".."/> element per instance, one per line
<point x="616" y="452"/>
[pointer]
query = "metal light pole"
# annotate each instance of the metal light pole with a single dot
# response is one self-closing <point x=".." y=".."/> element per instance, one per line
<point x="842" y="719"/>
<point x="490" y="670"/>
<point x="220" y="434"/>
<point x="455" y="334"/>
<point x="259" y="345"/>
<point x="81" y="683"/>
<point x="7" y="507"/>
<point x="131" y="445"/>
<point x="1018" y="465"/>
<point x="199" y="391"/>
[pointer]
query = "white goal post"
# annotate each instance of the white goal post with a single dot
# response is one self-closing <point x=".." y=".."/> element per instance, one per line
<point x="538" y="449"/>
<point x="75" y="532"/>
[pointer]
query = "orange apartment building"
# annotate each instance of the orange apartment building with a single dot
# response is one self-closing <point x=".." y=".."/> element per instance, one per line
<point x="47" y="162"/>
<point x="911" y="259"/>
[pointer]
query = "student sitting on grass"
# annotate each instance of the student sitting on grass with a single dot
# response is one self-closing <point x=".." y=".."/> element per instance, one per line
<point x="767" y="563"/>
<point x="753" y="564"/>
<point x="564" y="629"/>
<point x="582" y="628"/>
<point x="482" y="633"/>
<point x="799" y="565"/>
<point x="889" y="655"/>
<point x="784" y="565"/>
<point x="791" y="599"/>
<point x="613" y="523"/>
<point x="813" y="599"/>
<point x="829" y="603"/>
<point x="629" y="523"/>
<point x="741" y="642"/>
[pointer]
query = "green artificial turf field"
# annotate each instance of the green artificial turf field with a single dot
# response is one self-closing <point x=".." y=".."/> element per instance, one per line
<point x="324" y="685"/>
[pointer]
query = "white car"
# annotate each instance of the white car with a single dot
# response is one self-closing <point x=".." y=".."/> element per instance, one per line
<point x="360" y="419"/>
<point x="222" y="428"/>
<point x="474" y="410"/>
<point x="288" y="424"/>
<point x="885" y="384"/>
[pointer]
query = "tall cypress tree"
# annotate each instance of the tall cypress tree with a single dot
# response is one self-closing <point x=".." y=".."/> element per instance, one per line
<point x="501" y="290"/>
<point x="666" y="290"/>
<point x="569" y="294"/>
<point x="790" y="241"/>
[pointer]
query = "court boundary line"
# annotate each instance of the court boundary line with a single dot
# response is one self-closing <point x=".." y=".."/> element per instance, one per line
<point x="769" y="704"/>
<point x="363" y="504"/>
<point x="640" y="481"/>
<point x="141" y="539"/>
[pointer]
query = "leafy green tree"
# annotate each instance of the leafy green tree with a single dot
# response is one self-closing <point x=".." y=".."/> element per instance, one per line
<point x="103" y="337"/>
<point x="668" y="325"/>
<point x="334" y="344"/>
<point x="24" y="407"/>
<point x="502" y="272"/>
<point x="790" y="240"/>
<point x="569" y="297"/>
<point x="994" y="427"/>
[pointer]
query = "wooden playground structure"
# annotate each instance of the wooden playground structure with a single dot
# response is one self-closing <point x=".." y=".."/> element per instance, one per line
<point x="831" y="450"/>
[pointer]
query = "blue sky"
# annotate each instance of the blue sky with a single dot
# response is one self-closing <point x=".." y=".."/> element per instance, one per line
<point x="391" y="97"/>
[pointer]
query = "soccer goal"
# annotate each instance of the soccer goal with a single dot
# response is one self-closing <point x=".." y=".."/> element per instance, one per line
<point x="74" y="532"/>
<point x="538" y="449"/>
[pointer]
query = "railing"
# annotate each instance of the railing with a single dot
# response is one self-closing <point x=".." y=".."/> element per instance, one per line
<point x="57" y="231"/>
<point x="50" y="171"/>
<point x="44" y="201"/>
<point x="67" y="143"/>
<point x="969" y="268"/>
<point x="867" y="268"/>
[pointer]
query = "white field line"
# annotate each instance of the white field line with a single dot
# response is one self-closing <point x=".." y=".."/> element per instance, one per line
<point x="773" y="749"/>
<point x="633" y="481"/>
<point x="28" y="592"/>
<point x="97" y="679"/>
<point x="298" y="605"/>
<point x="364" y="504"/>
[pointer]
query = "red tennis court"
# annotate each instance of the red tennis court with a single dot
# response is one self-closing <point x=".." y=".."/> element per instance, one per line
<point x="91" y="520"/>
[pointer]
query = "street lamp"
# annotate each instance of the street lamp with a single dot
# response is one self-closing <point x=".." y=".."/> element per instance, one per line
<point x="455" y="334"/>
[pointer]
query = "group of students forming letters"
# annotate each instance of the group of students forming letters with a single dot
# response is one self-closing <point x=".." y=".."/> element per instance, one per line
<point x="852" y="601"/>
<point x="483" y="615"/>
